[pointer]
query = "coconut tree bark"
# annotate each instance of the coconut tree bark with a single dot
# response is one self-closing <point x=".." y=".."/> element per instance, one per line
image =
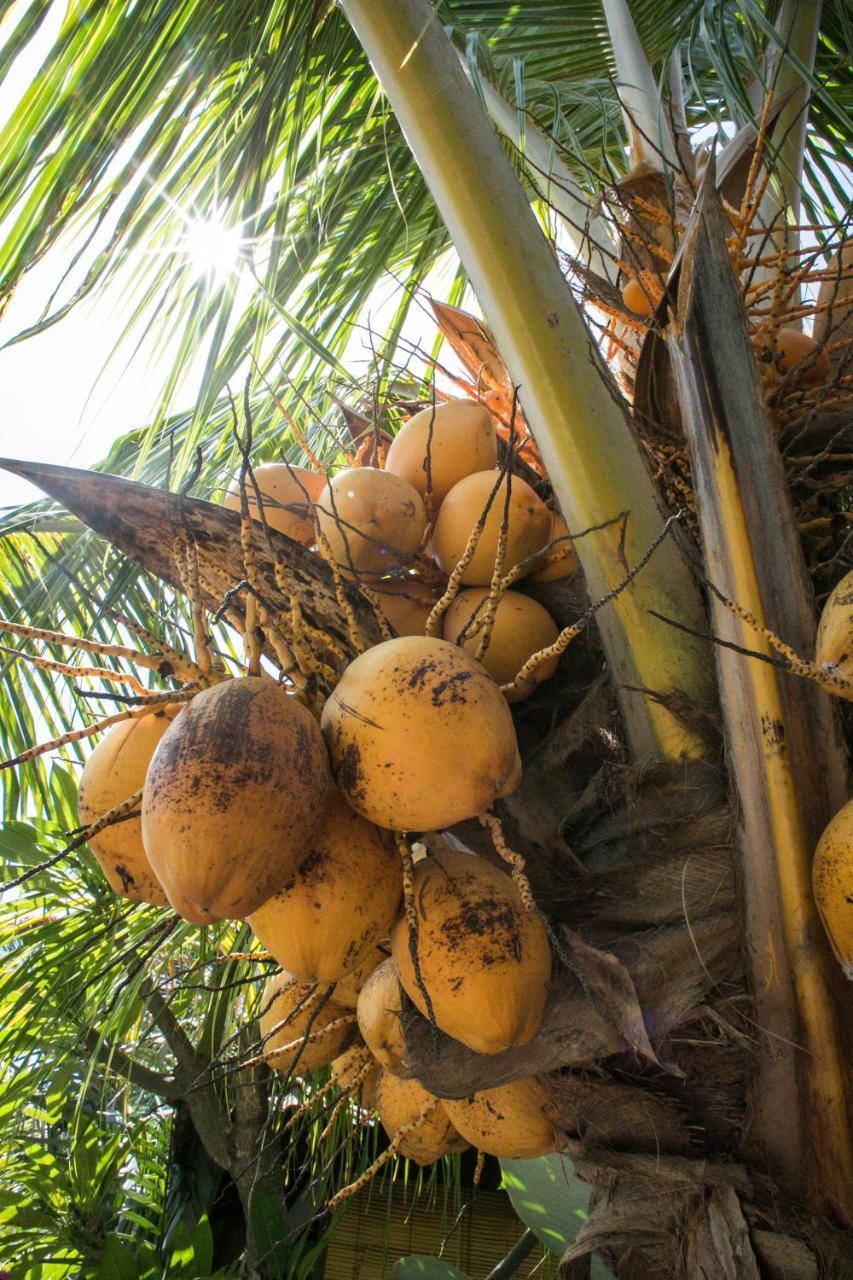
<point x="593" y="460"/>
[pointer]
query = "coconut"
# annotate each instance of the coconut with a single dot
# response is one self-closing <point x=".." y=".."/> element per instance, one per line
<point x="792" y="347"/>
<point x="399" y="1102"/>
<point x="419" y="736"/>
<point x="114" y="771"/>
<point x="485" y="960"/>
<point x="460" y="438"/>
<point x="516" y="1121"/>
<point x="346" y="1069"/>
<point x="560" y="560"/>
<point x="372" y="520"/>
<point x="379" y="1012"/>
<point x="832" y="883"/>
<point x="834" y="644"/>
<point x="639" y="297"/>
<point x="406" y="603"/>
<point x="348" y="988"/>
<point x="290" y="1012"/>
<point x="528" y="526"/>
<point x="521" y="628"/>
<point x="283" y="492"/>
<point x="235" y="792"/>
<point x="340" y="901"/>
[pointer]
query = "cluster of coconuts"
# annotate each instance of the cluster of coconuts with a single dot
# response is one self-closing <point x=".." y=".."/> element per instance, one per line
<point x="253" y="810"/>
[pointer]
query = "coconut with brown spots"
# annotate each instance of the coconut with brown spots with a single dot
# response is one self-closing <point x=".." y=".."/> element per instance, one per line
<point x="287" y="494"/>
<point x="400" y="1102"/>
<point x="300" y="1030"/>
<point x="372" y="520"/>
<point x="419" y="735"/>
<point x="458" y="438"/>
<point x="516" y="1121"/>
<point x="485" y="960"/>
<point x="520" y="628"/>
<point x="235" y="792"/>
<point x="114" y="771"/>
<point x="834" y="644"/>
<point x="348" y="988"/>
<point x="379" y="1011"/>
<point x="832" y="883"/>
<point x="528" y="526"/>
<point x="341" y="900"/>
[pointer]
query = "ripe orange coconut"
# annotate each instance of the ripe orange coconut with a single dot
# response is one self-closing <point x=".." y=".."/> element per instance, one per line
<point x="373" y="521"/>
<point x="484" y="959"/>
<point x="341" y="900"/>
<point x="399" y="1102"/>
<point x="459" y="438"/>
<point x="834" y="644"/>
<point x="791" y="347"/>
<point x="561" y="560"/>
<point x="348" y="988"/>
<point x="289" y="1014"/>
<point x="419" y="736"/>
<point x="521" y="628"/>
<point x="516" y="1121"/>
<point x="640" y="297"/>
<point x="406" y="603"/>
<point x="379" y="1011"/>
<point x="283" y="492"/>
<point x="234" y="794"/>
<point x="528" y="526"/>
<point x="114" y="771"/>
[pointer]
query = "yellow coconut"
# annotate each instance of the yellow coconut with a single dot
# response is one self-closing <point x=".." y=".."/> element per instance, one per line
<point x="234" y="794"/>
<point x="406" y="603"/>
<point x="484" y="959"/>
<point x="373" y="520"/>
<point x="528" y="526"/>
<point x="834" y="644"/>
<point x="832" y="882"/>
<point x="346" y="1070"/>
<point x="399" y="1102"/>
<point x="348" y="988"/>
<point x="460" y="439"/>
<point x="559" y="560"/>
<point x="521" y="628"/>
<point x="379" y="1011"/>
<point x="640" y="296"/>
<point x="341" y="900"/>
<point x="114" y="771"/>
<point x="298" y="1034"/>
<point x="419" y="736"/>
<point x="790" y="349"/>
<point x="516" y="1121"/>
<point x="283" y="492"/>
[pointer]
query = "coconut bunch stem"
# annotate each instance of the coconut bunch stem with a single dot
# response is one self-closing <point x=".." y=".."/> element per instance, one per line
<point x="179" y="665"/>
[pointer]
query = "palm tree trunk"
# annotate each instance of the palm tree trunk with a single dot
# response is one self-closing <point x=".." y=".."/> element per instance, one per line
<point x="593" y="460"/>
